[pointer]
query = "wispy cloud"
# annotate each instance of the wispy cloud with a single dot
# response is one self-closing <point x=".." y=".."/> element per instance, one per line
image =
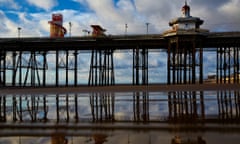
<point x="43" y="4"/>
<point x="10" y="4"/>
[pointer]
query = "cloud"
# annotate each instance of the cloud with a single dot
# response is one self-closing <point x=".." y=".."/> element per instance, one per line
<point x="43" y="4"/>
<point x="11" y="4"/>
<point x="231" y="9"/>
<point x="9" y="28"/>
<point x="113" y="15"/>
<point x="219" y="15"/>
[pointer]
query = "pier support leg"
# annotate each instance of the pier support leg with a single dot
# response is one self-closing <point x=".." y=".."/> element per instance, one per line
<point x="228" y="73"/>
<point x="102" y="74"/>
<point x="185" y="62"/>
<point x="3" y="116"/>
<point x="140" y="77"/>
<point x="2" y="68"/>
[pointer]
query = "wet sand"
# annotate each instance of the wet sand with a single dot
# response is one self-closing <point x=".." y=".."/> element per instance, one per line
<point x="45" y="129"/>
<point x="118" y="88"/>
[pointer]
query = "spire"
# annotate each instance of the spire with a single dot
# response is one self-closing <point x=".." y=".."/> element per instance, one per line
<point x="186" y="10"/>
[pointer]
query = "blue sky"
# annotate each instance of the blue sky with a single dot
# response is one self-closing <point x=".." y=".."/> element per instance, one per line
<point x="33" y="16"/>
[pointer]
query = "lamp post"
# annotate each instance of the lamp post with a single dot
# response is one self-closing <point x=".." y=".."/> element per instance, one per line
<point x="147" y="24"/>
<point x="126" y="27"/>
<point x="70" y="29"/>
<point x="19" y="31"/>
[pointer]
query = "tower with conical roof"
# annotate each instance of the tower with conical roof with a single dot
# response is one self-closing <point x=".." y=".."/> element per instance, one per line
<point x="185" y="63"/>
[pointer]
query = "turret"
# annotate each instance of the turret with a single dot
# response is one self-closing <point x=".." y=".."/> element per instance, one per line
<point x="186" y="24"/>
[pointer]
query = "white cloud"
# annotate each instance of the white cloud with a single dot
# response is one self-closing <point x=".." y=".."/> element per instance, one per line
<point x="231" y="8"/>
<point x="9" y="28"/>
<point x="11" y="4"/>
<point x="113" y="16"/>
<point x="43" y="4"/>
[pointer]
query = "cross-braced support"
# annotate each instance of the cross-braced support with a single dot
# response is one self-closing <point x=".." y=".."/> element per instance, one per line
<point x="228" y="71"/>
<point x="185" y="61"/>
<point x="102" y="74"/>
<point x="66" y="61"/>
<point x="33" y="108"/>
<point x="183" y="106"/>
<point x="101" y="68"/>
<point x="27" y="67"/>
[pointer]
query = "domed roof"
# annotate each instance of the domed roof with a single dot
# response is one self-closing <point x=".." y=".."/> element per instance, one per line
<point x="186" y="17"/>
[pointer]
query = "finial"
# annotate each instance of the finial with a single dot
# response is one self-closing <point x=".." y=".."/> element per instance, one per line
<point x="186" y="10"/>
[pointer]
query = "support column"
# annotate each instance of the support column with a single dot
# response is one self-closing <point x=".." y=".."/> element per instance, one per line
<point x="45" y="67"/>
<point x="2" y="68"/>
<point x="75" y="68"/>
<point x="14" y="108"/>
<point x="140" y="77"/>
<point x="19" y="66"/>
<point x="67" y="55"/>
<point x="184" y="62"/>
<point x="14" y="54"/>
<point x="3" y="116"/>
<point x="76" y="107"/>
<point x="57" y="68"/>
<point x="228" y="72"/>
<point x="102" y="74"/>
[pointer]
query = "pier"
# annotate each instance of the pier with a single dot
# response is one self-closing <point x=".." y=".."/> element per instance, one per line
<point x="185" y="84"/>
<point x="28" y="99"/>
<point x="29" y="55"/>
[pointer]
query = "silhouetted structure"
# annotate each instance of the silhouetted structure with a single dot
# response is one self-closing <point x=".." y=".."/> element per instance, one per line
<point x="185" y="64"/>
<point x="23" y="62"/>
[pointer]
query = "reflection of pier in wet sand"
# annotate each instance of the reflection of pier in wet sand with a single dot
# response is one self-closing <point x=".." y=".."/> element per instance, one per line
<point x="182" y="106"/>
<point x="60" y="116"/>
